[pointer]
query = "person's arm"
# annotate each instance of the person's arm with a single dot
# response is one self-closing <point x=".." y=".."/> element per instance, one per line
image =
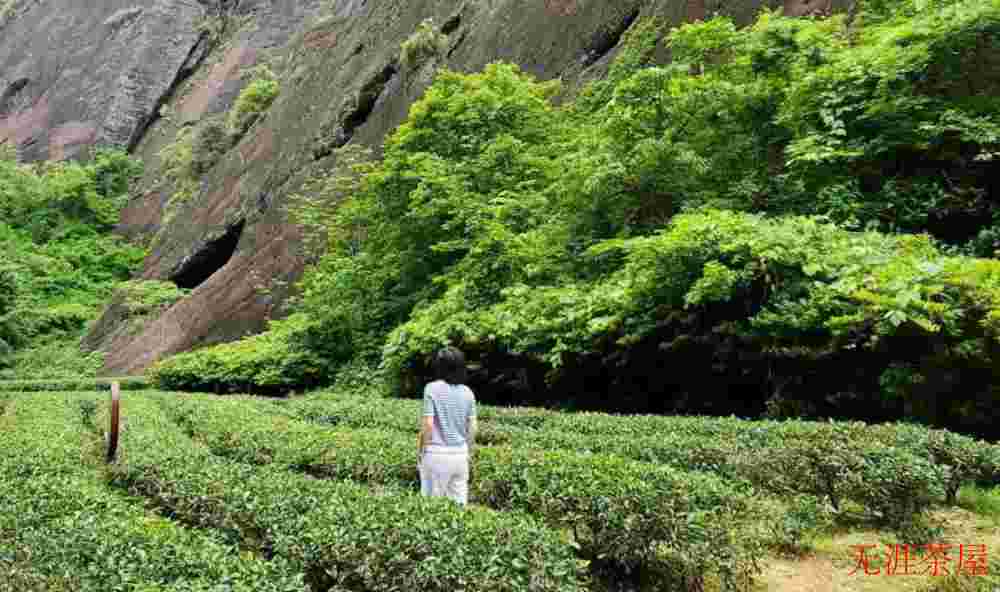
<point x="424" y="438"/>
<point x="426" y="426"/>
<point x="471" y="425"/>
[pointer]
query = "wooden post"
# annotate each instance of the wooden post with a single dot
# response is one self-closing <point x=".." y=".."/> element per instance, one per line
<point x="115" y="420"/>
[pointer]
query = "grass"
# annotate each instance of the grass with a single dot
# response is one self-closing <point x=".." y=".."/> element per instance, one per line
<point x="984" y="502"/>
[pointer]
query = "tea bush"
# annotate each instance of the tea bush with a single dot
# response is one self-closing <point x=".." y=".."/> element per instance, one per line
<point x="630" y="516"/>
<point x="70" y="531"/>
<point x="664" y="500"/>
<point x="339" y="534"/>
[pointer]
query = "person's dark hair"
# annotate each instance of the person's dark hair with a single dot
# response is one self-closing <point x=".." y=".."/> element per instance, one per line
<point x="449" y="365"/>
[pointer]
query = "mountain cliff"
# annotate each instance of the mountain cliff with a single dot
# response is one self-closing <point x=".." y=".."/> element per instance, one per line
<point x="147" y="74"/>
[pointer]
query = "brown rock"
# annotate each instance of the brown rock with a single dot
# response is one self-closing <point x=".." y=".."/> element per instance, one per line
<point x="66" y="139"/>
<point x="219" y="81"/>
<point x="141" y="216"/>
<point x="561" y="7"/>
<point x="229" y="303"/>
<point x="320" y="40"/>
<point x="807" y="7"/>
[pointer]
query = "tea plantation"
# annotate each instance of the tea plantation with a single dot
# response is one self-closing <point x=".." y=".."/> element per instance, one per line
<point x="321" y="493"/>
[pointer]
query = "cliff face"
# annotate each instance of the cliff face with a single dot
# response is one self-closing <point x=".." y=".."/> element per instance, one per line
<point x="71" y="76"/>
<point x="135" y="73"/>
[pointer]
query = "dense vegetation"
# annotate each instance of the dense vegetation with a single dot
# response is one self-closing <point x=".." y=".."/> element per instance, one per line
<point x="801" y="214"/>
<point x="65" y="530"/>
<point x="320" y="493"/>
<point x="59" y="260"/>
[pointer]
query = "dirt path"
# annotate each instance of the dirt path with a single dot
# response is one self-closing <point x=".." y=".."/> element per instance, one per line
<point x="829" y="568"/>
<point x="810" y="574"/>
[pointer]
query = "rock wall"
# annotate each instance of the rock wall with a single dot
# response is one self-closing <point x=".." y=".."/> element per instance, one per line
<point x="134" y="73"/>
<point x="73" y="75"/>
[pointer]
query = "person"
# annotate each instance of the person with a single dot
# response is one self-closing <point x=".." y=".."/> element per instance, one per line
<point x="447" y="430"/>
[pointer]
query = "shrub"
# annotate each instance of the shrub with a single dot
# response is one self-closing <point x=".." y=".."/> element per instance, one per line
<point x="113" y="172"/>
<point x="379" y="269"/>
<point x="177" y="166"/>
<point x="59" y="262"/>
<point x="424" y="44"/>
<point x="8" y="152"/>
<point x="210" y="141"/>
<point x="9" y="327"/>
<point x="194" y="151"/>
<point x="254" y="100"/>
<point x="268" y="362"/>
<point x="792" y="284"/>
<point x="47" y="200"/>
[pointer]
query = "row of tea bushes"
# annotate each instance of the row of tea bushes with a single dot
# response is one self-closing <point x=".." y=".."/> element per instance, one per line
<point x="956" y="458"/>
<point x="130" y="383"/>
<point x="971" y="459"/>
<point x="673" y="526"/>
<point x="358" y="411"/>
<point x="68" y="531"/>
<point x="355" y="411"/>
<point x="839" y="460"/>
<point x="890" y="483"/>
<point x="343" y="536"/>
<point x="894" y="479"/>
<point x="965" y="459"/>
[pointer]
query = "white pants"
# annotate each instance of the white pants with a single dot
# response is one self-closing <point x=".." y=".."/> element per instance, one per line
<point x="445" y="474"/>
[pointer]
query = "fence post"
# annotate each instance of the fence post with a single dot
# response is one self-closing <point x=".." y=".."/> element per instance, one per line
<point x="115" y="420"/>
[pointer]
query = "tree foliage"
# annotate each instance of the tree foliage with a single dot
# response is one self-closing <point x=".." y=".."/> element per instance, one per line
<point x="805" y="187"/>
<point x="59" y="260"/>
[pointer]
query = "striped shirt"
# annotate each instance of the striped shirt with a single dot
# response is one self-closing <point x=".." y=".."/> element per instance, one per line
<point x="451" y="406"/>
